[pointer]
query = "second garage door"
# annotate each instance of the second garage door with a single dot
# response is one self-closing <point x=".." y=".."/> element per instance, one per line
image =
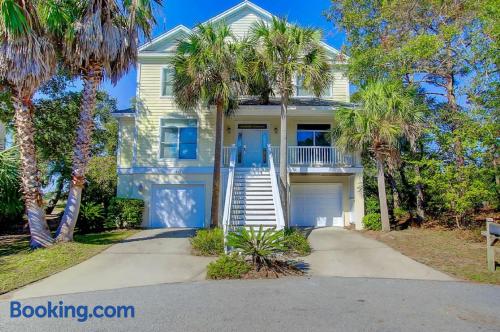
<point x="316" y="205"/>
<point x="177" y="206"/>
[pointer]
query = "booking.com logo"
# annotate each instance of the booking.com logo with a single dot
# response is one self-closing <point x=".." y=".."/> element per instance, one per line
<point x="64" y="311"/>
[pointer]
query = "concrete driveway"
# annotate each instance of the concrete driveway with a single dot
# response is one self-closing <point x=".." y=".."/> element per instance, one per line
<point x="150" y="257"/>
<point x="342" y="253"/>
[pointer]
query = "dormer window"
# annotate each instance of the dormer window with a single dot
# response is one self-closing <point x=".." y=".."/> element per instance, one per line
<point x="301" y="91"/>
<point x="167" y="74"/>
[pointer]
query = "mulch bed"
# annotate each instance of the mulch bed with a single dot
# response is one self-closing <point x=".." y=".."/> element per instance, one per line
<point x="277" y="270"/>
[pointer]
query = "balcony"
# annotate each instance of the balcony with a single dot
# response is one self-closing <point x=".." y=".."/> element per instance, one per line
<point x="308" y="156"/>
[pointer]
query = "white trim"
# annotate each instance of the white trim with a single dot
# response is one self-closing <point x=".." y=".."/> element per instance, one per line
<point x="221" y="16"/>
<point x="164" y="36"/>
<point x="169" y="170"/>
<point x="317" y="170"/>
<point x="178" y="137"/>
<point x="134" y="151"/>
<point x="162" y="74"/>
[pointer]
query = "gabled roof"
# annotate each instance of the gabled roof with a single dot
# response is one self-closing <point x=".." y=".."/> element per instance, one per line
<point x="241" y="6"/>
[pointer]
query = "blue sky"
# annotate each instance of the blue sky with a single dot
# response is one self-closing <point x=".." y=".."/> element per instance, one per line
<point x="191" y="12"/>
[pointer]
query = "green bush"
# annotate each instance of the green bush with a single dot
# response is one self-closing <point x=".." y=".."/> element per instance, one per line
<point x="11" y="204"/>
<point x="101" y="180"/>
<point x="228" y="267"/>
<point x="400" y="213"/>
<point x="372" y="205"/>
<point x="260" y="245"/>
<point x="296" y="242"/>
<point x="125" y="212"/>
<point x="208" y="242"/>
<point x="372" y="222"/>
<point x="91" y="218"/>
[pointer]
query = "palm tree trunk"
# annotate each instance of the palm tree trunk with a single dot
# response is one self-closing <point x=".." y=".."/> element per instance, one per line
<point x="57" y="196"/>
<point x="384" y="212"/>
<point x="81" y="154"/>
<point x="30" y="181"/>
<point x="284" y="160"/>
<point x="420" y="196"/>
<point x="214" y="213"/>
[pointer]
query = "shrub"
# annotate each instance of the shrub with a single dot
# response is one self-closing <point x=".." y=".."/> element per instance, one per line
<point x="11" y="204"/>
<point x="400" y="213"/>
<point x="372" y="222"/>
<point x="125" y="212"/>
<point x="372" y="205"/>
<point x="101" y="180"/>
<point x="228" y="267"/>
<point x="91" y="218"/>
<point x="208" y="242"/>
<point x="296" y="242"/>
<point x="261" y="245"/>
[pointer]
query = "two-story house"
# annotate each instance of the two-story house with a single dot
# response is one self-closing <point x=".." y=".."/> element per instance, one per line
<point x="166" y="155"/>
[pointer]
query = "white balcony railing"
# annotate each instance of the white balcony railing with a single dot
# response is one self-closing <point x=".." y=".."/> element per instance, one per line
<point x="315" y="156"/>
<point x="310" y="156"/>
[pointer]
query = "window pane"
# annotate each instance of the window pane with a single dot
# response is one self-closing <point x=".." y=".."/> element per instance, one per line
<point x="301" y="91"/>
<point x="166" y="83"/>
<point x="322" y="139"/>
<point x="187" y="151"/>
<point x="168" y="151"/>
<point x="327" y="92"/>
<point x="169" y="135"/>
<point x="188" y="135"/>
<point x="179" y="122"/>
<point x="305" y="138"/>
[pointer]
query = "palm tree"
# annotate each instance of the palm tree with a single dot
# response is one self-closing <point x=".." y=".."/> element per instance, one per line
<point x="387" y="114"/>
<point x="27" y="59"/>
<point x="209" y="69"/>
<point x="101" y="42"/>
<point x="285" y="51"/>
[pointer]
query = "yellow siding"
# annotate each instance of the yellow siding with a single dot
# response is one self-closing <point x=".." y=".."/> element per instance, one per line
<point x="126" y="142"/>
<point x="152" y="108"/>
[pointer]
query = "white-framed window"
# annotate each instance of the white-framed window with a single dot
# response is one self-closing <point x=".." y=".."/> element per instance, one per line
<point x="166" y="81"/>
<point x="301" y="91"/>
<point x="313" y="135"/>
<point x="178" y="138"/>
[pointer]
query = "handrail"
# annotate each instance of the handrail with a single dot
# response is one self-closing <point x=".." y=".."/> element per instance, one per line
<point x="229" y="195"/>
<point x="280" y="220"/>
<point x="320" y="156"/>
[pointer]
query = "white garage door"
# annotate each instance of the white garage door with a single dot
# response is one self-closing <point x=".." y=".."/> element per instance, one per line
<point x="178" y="206"/>
<point x="316" y="205"/>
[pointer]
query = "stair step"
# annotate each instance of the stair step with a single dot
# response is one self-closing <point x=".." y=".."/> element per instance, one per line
<point x="253" y="193"/>
<point x="255" y="202"/>
<point x="252" y="185"/>
<point x="254" y="212"/>
<point x="255" y="206"/>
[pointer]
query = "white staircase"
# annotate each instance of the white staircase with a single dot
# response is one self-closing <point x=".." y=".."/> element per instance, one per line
<point x="253" y="202"/>
<point x="252" y="197"/>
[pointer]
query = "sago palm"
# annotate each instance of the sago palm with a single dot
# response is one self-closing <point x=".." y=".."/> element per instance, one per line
<point x="387" y="113"/>
<point x="285" y="51"/>
<point x="27" y="59"/>
<point x="101" y="42"/>
<point x="209" y="69"/>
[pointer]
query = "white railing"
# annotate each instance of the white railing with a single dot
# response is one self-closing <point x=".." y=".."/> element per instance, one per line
<point x="319" y="156"/>
<point x="226" y="219"/>
<point x="276" y="154"/>
<point x="226" y="155"/>
<point x="280" y="220"/>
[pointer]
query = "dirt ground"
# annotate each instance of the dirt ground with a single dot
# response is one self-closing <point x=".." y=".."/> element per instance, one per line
<point x="459" y="253"/>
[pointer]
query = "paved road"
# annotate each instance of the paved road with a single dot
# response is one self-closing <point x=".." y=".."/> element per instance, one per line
<point x="297" y="304"/>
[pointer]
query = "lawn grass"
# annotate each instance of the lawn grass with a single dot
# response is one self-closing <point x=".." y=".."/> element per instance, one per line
<point x="459" y="253"/>
<point x="20" y="266"/>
